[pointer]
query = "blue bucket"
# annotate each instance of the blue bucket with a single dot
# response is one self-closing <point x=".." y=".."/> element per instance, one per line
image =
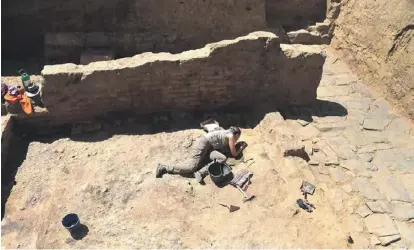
<point x="71" y="222"/>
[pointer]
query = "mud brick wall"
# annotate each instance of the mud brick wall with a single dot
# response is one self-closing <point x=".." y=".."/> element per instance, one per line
<point x="63" y="28"/>
<point x="295" y="14"/>
<point x="238" y="72"/>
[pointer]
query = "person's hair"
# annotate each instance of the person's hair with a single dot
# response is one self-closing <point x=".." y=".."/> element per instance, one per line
<point x="235" y="130"/>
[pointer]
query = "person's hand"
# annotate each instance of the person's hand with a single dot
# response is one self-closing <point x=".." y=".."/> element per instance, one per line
<point x="242" y="145"/>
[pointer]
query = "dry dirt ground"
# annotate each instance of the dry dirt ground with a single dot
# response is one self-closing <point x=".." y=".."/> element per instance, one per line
<point x="112" y="186"/>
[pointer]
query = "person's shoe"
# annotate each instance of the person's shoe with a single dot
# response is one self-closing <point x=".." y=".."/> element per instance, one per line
<point x="161" y="170"/>
<point x="199" y="178"/>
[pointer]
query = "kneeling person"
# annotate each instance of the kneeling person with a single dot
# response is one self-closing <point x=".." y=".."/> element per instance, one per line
<point x="208" y="145"/>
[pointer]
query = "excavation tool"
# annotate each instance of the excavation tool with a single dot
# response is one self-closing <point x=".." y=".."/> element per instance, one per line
<point x="246" y="196"/>
<point x="306" y="188"/>
<point x="230" y="207"/>
<point x="240" y="181"/>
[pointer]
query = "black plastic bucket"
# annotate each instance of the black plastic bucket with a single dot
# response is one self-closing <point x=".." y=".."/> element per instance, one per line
<point x="71" y="222"/>
<point x="219" y="172"/>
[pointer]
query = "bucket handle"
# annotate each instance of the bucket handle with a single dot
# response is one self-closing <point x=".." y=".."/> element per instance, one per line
<point x="221" y="169"/>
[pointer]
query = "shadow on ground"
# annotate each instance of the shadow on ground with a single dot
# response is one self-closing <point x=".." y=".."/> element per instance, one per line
<point x="321" y="108"/>
<point x="80" y="233"/>
<point x="17" y="155"/>
<point x="151" y="124"/>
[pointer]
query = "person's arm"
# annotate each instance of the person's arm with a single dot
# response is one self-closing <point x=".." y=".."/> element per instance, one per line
<point x="232" y="145"/>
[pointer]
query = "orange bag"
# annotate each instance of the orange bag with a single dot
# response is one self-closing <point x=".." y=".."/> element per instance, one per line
<point x="22" y="99"/>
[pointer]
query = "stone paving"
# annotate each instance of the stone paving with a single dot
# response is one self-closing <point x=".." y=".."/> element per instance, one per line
<point x="361" y="155"/>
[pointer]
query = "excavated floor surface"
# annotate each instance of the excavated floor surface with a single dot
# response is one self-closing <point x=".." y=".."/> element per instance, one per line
<point x="111" y="185"/>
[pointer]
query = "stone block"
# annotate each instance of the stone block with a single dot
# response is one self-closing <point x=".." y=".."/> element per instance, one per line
<point x="406" y="230"/>
<point x="374" y="241"/>
<point x="380" y="225"/>
<point x="308" y="132"/>
<point x="399" y="125"/>
<point x="357" y="165"/>
<point x="379" y="206"/>
<point x="306" y="37"/>
<point x="393" y="189"/>
<point x="388" y="239"/>
<point x="403" y="211"/>
<point x="366" y="189"/>
<point x="338" y="175"/>
<point x="375" y="123"/>
<point x="363" y="211"/>
<point x="341" y="148"/>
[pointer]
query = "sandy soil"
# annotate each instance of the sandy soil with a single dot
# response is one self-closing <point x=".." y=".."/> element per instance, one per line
<point x="111" y="185"/>
<point x="109" y="180"/>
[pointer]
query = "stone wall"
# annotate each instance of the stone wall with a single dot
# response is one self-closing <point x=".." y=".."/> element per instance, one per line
<point x="127" y="26"/>
<point x="377" y="39"/>
<point x="240" y="72"/>
<point x="295" y="14"/>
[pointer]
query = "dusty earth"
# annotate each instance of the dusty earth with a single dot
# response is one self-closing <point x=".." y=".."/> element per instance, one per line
<point x="111" y="184"/>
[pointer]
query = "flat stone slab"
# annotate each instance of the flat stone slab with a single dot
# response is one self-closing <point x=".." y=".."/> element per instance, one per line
<point x="308" y="132"/>
<point x="399" y="125"/>
<point x="374" y="241"/>
<point x="329" y="91"/>
<point x="341" y="148"/>
<point x="372" y="136"/>
<point x="338" y="175"/>
<point x="407" y="182"/>
<point x="386" y="240"/>
<point x="374" y="147"/>
<point x="375" y="123"/>
<point x="355" y="136"/>
<point x="406" y="230"/>
<point x="396" y="157"/>
<point x="380" y="225"/>
<point x="403" y="211"/>
<point x="356" y="165"/>
<point x="393" y="190"/>
<point x="366" y="189"/>
<point x="305" y="37"/>
<point x="380" y="108"/>
<point x="379" y="206"/>
<point x="363" y="211"/>
<point x="323" y="170"/>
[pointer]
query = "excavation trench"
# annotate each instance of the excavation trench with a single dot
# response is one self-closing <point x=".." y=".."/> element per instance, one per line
<point x="139" y="76"/>
<point x="146" y="109"/>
